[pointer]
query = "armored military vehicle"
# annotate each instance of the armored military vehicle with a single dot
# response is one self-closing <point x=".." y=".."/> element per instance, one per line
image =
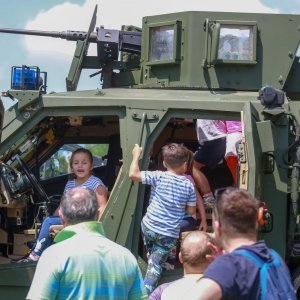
<point x="179" y="66"/>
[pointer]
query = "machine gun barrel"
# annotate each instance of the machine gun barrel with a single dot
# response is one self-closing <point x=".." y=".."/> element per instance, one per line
<point x="128" y="41"/>
<point x="66" y="35"/>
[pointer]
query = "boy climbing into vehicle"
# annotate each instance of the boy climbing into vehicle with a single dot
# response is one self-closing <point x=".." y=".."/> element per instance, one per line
<point x="172" y="195"/>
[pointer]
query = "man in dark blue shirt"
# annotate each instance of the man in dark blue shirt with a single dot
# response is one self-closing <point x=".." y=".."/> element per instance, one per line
<point x="233" y="275"/>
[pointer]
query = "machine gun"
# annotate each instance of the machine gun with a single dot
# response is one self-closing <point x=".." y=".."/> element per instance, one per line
<point x="127" y="41"/>
<point x="109" y="44"/>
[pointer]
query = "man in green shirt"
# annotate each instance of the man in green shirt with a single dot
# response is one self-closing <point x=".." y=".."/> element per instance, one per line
<point x="84" y="264"/>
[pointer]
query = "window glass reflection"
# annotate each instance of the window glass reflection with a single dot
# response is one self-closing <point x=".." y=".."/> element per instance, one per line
<point x="161" y="43"/>
<point x="236" y="42"/>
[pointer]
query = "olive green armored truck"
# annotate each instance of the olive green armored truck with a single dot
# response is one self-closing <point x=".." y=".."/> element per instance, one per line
<point x="154" y="83"/>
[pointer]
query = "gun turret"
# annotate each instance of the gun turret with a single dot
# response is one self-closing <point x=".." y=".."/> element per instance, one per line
<point x="109" y="44"/>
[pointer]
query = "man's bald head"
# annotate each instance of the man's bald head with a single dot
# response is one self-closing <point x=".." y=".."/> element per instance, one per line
<point x="194" y="248"/>
<point x="79" y="205"/>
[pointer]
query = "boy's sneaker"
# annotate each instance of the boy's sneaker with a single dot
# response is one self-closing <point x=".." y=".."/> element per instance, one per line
<point x="30" y="258"/>
<point x="209" y="200"/>
<point x="25" y="260"/>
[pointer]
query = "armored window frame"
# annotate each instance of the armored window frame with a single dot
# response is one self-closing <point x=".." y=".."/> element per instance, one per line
<point x="176" y="43"/>
<point x="216" y="41"/>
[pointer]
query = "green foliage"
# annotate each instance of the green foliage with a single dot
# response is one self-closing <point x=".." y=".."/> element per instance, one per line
<point x="96" y="149"/>
<point x="63" y="165"/>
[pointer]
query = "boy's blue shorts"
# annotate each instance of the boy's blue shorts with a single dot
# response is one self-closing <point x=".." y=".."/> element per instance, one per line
<point x="211" y="153"/>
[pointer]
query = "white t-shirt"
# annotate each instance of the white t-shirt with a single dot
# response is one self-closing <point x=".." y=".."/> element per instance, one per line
<point x="180" y="289"/>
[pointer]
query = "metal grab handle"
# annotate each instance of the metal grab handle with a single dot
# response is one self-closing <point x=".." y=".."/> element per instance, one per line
<point x="143" y="119"/>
